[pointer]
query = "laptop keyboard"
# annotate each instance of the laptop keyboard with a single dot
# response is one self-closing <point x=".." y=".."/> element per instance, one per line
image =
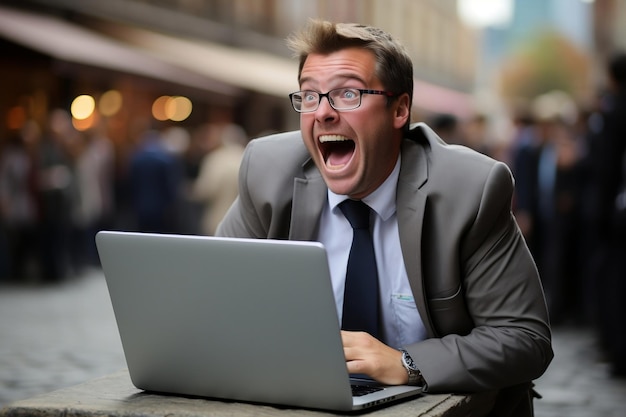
<point x="360" y="390"/>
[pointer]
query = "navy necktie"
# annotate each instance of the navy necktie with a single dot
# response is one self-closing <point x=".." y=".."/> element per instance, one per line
<point x="360" y="301"/>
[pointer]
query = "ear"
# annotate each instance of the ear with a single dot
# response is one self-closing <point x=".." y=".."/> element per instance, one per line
<point x="402" y="111"/>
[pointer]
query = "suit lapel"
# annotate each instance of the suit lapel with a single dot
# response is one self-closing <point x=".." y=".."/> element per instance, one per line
<point x="410" y="208"/>
<point x="309" y="197"/>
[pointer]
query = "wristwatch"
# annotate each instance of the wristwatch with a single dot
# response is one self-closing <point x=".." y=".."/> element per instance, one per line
<point x="415" y="376"/>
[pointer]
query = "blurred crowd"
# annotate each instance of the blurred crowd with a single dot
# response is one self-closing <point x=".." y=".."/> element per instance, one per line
<point x="59" y="186"/>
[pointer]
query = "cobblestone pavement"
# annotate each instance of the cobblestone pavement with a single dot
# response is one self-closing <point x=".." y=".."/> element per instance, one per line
<point x="578" y="382"/>
<point x="56" y="336"/>
<point x="53" y="337"/>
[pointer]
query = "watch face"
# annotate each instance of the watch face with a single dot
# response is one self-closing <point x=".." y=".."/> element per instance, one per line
<point x="408" y="361"/>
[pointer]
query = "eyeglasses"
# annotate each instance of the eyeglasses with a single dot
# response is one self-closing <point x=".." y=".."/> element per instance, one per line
<point x="339" y="98"/>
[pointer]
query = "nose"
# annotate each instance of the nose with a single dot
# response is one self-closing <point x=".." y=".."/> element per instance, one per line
<point x="325" y="112"/>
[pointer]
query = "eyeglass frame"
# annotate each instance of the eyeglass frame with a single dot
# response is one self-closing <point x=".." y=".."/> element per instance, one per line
<point x="361" y="91"/>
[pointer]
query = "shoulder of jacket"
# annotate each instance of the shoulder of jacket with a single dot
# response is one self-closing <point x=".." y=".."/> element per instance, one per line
<point x="291" y="138"/>
<point x="287" y="144"/>
<point x="281" y="152"/>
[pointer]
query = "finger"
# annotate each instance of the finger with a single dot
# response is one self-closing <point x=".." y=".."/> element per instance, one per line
<point x="357" y="367"/>
<point x="347" y="337"/>
<point x="352" y="338"/>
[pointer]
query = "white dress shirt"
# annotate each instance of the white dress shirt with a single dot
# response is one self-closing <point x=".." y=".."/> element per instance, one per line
<point x="402" y="324"/>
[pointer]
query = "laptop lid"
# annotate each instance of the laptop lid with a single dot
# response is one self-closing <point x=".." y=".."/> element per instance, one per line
<point x="237" y="319"/>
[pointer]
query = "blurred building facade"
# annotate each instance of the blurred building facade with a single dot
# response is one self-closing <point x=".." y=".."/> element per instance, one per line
<point x="228" y="56"/>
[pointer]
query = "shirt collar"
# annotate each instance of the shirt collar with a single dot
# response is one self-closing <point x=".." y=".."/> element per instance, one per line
<point x="382" y="200"/>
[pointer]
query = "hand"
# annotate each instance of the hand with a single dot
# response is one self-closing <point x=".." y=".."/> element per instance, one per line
<point x="367" y="355"/>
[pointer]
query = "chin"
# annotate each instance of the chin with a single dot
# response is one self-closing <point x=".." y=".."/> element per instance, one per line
<point x="339" y="187"/>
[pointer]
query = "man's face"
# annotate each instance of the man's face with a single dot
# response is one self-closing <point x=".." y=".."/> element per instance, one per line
<point x="355" y="150"/>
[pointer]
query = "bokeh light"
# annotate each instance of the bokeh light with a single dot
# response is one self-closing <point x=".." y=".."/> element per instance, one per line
<point x="110" y="103"/>
<point x="158" y="108"/>
<point x="175" y="108"/>
<point x="82" y="107"/>
<point x="178" y="108"/>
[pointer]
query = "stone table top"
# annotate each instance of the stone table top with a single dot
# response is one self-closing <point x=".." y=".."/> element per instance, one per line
<point x="114" y="395"/>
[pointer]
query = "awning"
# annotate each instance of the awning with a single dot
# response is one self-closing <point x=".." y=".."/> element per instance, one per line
<point x="437" y="99"/>
<point x="205" y="66"/>
<point x="245" y="68"/>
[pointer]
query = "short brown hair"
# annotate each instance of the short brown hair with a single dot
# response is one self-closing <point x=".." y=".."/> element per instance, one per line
<point x="393" y="65"/>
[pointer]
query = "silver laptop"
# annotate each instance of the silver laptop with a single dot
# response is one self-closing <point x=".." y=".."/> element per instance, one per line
<point x="237" y="319"/>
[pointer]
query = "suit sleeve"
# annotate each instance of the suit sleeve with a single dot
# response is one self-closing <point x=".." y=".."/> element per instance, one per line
<point x="510" y="342"/>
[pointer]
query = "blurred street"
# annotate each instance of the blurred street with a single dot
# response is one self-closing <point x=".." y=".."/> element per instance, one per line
<point x="60" y="335"/>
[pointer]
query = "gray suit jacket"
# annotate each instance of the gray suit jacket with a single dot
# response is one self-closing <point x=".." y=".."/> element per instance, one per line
<point x="473" y="278"/>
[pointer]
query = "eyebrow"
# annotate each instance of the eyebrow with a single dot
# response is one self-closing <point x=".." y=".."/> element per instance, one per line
<point x="344" y="77"/>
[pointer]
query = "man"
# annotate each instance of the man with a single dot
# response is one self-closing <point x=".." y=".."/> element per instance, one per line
<point x="459" y="294"/>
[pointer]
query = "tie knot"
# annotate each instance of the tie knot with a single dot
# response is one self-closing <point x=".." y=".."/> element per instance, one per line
<point x="357" y="213"/>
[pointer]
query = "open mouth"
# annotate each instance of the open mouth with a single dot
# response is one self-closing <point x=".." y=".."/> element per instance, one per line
<point x="336" y="150"/>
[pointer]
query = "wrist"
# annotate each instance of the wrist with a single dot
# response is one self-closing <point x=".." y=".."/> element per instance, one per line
<point x="413" y="373"/>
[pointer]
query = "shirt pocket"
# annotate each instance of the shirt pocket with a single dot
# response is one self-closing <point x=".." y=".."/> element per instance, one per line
<point x="407" y="320"/>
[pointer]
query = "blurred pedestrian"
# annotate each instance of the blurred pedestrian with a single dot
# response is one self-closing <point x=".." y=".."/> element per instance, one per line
<point x="609" y="164"/>
<point x="447" y="127"/>
<point x="18" y="202"/>
<point x="177" y="142"/>
<point x="522" y="159"/>
<point x="547" y="173"/>
<point x="57" y="194"/>
<point x="154" y="179"/>
<point x="95" y="170"/>
<point x="475" y="134"/>
<point x="216" y="185"/>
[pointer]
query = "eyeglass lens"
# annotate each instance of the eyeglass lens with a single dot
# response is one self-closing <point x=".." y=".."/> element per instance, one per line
<point x="339" y="99"/>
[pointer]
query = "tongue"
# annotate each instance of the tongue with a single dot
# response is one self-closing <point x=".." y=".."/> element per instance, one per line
<point x="340" y="153"/>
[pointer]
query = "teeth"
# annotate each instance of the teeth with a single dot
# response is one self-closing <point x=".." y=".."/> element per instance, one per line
<point x="332" y="138"/>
